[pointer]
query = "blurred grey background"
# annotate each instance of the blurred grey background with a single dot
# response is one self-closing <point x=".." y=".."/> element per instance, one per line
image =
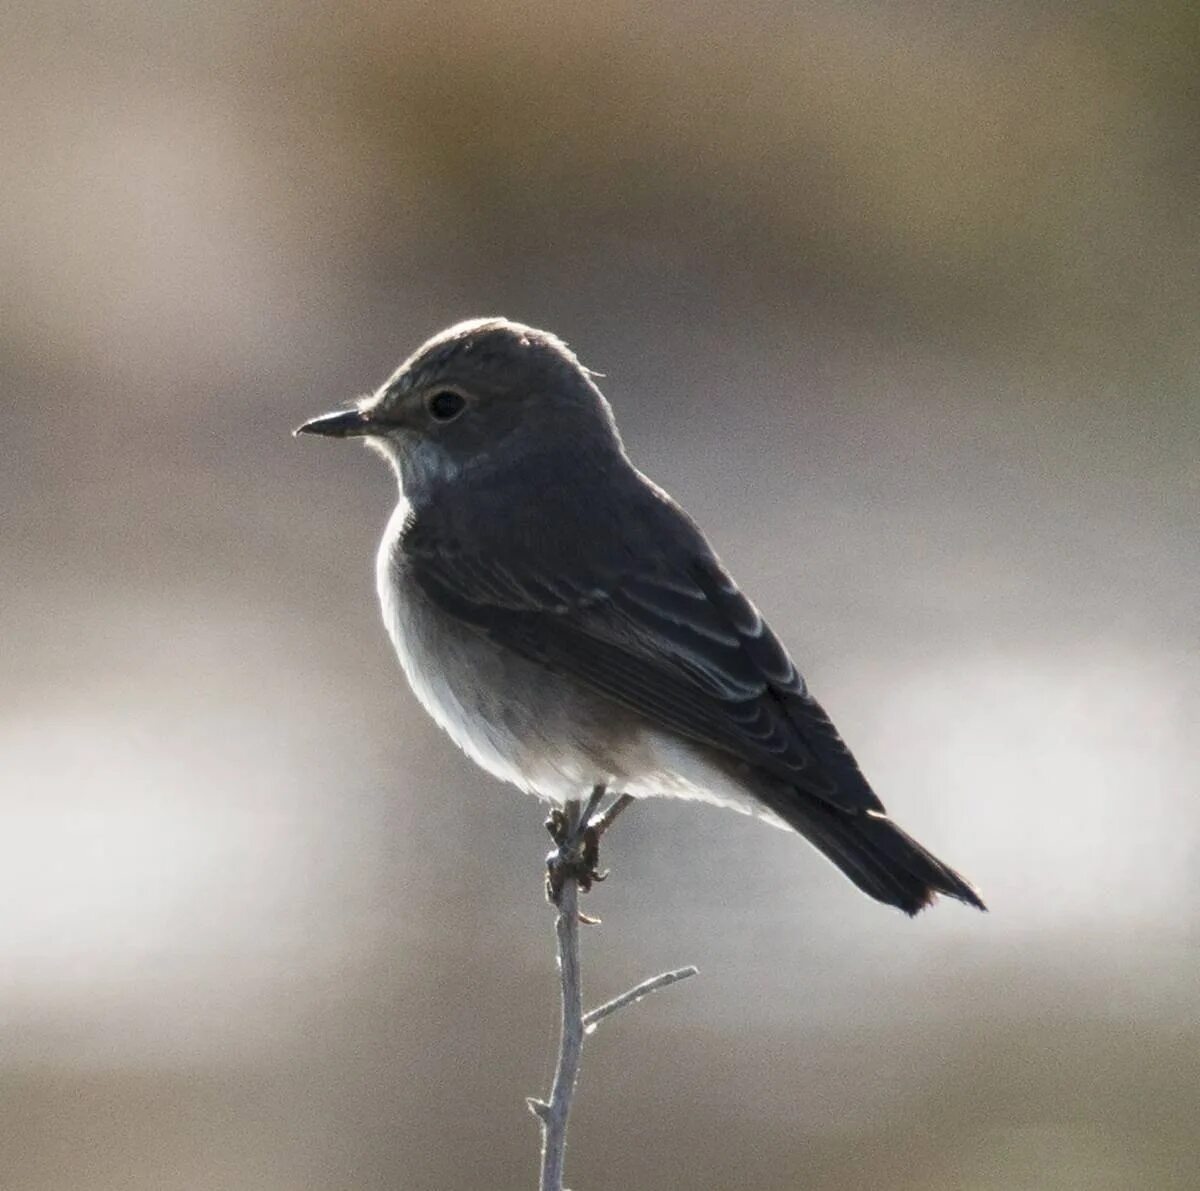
<point x="900" y="300"/>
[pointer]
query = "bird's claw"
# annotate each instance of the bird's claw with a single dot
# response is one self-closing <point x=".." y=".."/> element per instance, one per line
<point x="556" y="825"/>
<point x="576" y="856"/>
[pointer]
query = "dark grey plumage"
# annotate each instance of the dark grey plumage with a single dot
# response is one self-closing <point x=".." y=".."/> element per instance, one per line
<point x="569" y="624"/>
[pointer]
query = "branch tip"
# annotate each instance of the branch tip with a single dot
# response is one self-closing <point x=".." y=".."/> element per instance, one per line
<point x="594" y="1017"/>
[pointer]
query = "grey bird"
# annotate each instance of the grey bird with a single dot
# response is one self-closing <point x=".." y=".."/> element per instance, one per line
<point x="570" y="627"/>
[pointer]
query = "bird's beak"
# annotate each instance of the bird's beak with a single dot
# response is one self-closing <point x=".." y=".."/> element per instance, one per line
<point x="340" y="423"/>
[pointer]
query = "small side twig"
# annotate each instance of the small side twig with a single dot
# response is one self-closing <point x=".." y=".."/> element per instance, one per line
<point x="553" y="1113"/>
<point x="594" y="1017"/>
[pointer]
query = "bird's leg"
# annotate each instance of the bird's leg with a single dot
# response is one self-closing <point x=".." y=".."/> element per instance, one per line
<point x="578" y="851"/>
<point x="606" y="820"/>
<point x="593" y="831"/>
<point x="570" y="858"/>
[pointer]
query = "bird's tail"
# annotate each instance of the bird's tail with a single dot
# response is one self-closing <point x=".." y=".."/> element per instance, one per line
<point x="881" y="859"/>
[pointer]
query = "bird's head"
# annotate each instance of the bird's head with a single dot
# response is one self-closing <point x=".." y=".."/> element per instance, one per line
<point x="485" y="391"/>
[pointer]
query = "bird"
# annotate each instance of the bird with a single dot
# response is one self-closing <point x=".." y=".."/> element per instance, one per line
<point x="569" y="626"/>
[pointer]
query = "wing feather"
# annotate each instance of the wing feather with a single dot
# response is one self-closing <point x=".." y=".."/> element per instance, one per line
<point x="680" y="646"/>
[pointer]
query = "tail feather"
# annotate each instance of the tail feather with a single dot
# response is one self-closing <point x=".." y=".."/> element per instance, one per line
<point x="881" y="859"/>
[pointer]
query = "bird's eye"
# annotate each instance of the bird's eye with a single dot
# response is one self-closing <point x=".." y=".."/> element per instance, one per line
<point x="446" y="405"/>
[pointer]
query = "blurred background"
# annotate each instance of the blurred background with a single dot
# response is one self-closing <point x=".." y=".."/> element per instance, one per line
<point x="900" y="300"/>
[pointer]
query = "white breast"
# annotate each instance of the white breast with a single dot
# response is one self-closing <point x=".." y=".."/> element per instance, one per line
<point x="519" y="724"/>
<point x="427" y="653"/>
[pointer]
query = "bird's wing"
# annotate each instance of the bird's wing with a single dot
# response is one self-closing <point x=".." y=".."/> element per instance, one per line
<point x="680" y="645"/>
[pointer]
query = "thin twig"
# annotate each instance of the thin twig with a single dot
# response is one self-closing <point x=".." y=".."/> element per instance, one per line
<point x="593" y="1017"/>
<point x="552" y="1114"/>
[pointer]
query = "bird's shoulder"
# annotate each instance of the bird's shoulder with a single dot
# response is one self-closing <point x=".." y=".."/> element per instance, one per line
<point x="581" y="515"/>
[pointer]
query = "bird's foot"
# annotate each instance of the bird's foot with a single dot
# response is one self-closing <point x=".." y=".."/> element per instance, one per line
<point x="577" y="854"/>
